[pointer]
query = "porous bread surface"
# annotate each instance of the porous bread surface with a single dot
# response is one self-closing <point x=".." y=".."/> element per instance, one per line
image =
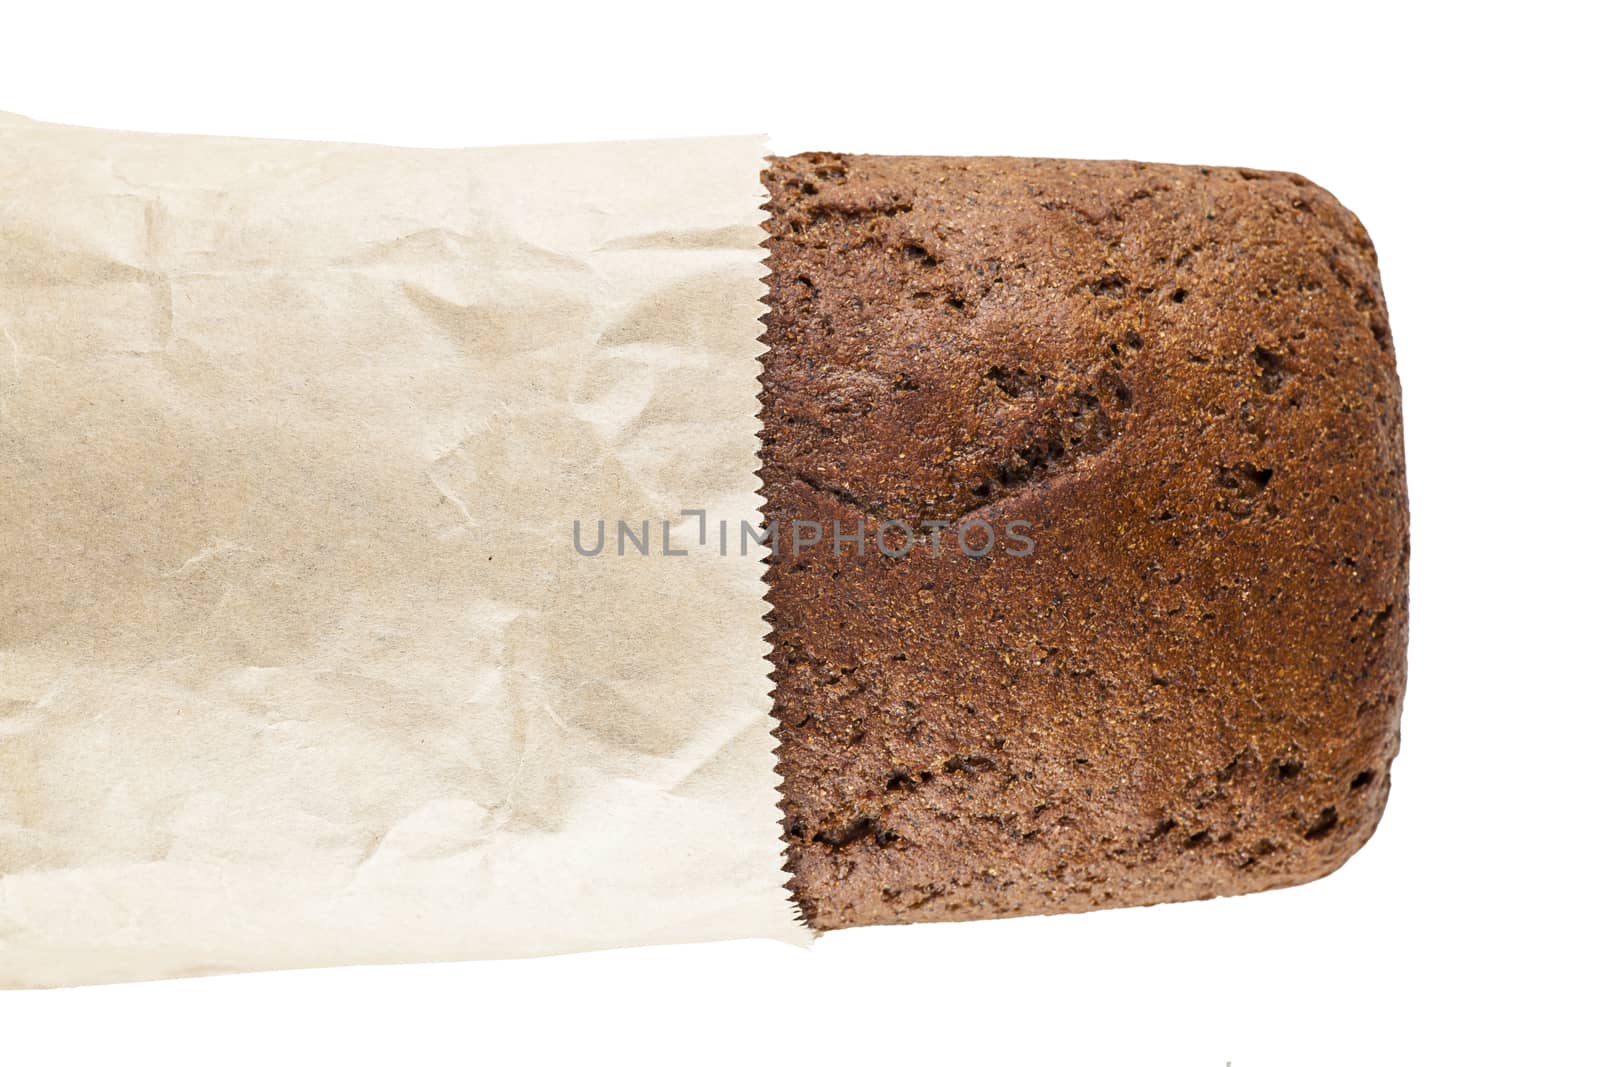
<point x="1182" y="379"/>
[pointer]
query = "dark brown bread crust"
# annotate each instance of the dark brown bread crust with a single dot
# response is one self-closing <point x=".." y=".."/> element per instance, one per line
<point x="1182" y="377"/>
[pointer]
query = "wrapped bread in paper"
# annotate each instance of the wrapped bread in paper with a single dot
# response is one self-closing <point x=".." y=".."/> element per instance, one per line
<point x="385" y="574"/>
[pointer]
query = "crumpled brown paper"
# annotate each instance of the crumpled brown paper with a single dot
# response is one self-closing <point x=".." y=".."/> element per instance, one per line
<point x="298" y="664"/>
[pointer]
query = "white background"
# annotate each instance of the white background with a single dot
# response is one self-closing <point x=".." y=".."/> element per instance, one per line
<point x="1464" y="932"/>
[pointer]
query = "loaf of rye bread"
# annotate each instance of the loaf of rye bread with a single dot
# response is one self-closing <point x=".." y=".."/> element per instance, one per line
<point x="1181" y="379"/>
